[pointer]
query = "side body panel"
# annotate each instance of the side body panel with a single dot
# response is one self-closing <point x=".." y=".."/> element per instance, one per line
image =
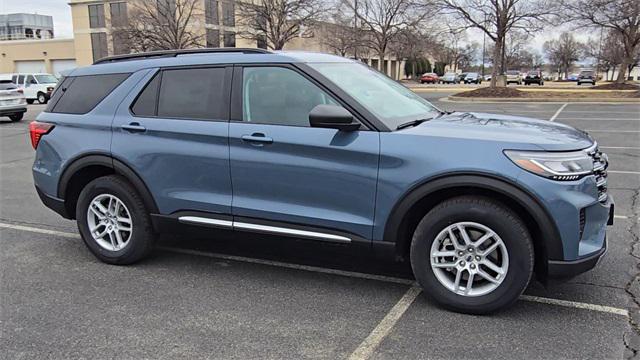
<point x="183" y="162"/>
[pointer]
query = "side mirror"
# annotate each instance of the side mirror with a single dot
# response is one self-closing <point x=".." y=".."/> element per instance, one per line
<point x="332" y="117"/>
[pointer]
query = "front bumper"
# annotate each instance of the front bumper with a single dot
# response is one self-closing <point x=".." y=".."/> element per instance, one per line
<point x="564" y="269"/>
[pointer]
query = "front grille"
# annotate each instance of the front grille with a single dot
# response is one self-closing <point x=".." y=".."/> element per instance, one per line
<point x="600" y="165"/>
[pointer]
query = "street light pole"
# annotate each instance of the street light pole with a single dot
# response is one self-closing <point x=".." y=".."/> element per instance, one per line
<point x="484" y="40"/>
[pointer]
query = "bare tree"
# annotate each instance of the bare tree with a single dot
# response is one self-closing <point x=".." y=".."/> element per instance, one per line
<point x="341" y="35"/>
<point x="563" y="52"/>
<point x="619" y="16"/>
<point x="496" y="18"/>
<point x="383" y="20"/>
<point x="412" y="45"/>
<point x="279" y="21"/>
<point x="162" y="25"/>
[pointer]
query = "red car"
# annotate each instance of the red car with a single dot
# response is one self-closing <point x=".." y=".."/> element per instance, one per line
<point x="431" y="78"/>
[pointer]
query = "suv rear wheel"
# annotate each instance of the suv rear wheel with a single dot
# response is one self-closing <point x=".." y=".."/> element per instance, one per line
<point x="42" y="98"/>
<point x="472" y="255"/>
<point x="113" y="221"/>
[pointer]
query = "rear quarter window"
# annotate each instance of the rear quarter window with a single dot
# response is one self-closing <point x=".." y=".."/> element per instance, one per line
<point x="80" y="94"/>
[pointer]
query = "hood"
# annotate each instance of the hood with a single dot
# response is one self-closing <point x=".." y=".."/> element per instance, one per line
<point x="544" y="134"/>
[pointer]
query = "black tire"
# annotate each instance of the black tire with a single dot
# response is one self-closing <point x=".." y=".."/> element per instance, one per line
<point x="16" y="117"/>
<point x="498" y="218"/>
<point x="142" y="237"/>
<point x="42" y="98"/>
<point x="30" y="101"/>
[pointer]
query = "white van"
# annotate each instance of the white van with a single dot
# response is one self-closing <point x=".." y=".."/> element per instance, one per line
<point x="36" y="86"/>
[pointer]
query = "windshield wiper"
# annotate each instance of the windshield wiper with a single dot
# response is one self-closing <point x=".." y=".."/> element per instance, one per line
<point x="417" y="122"/>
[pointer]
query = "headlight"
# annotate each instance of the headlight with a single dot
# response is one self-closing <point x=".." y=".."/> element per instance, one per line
<point x="553" y="165"/>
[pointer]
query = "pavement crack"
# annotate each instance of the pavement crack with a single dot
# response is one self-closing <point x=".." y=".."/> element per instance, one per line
<point x="631" y="338"/>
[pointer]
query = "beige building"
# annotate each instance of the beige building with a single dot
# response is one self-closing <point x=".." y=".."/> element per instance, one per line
<point x="47" y="56"/>
<point x="96" y="25"/>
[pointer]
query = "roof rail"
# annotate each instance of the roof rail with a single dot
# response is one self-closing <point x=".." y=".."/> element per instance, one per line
<point x="174" y="53"/>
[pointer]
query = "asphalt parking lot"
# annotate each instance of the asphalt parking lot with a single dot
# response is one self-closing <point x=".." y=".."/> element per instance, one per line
<point x="264" y="297"/>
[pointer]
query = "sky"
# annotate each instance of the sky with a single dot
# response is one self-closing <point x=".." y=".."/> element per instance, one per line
<point x="59" y="9"/>
<point x="61" y="12"/>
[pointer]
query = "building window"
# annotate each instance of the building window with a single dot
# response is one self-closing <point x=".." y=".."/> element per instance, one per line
<point x="213" y="38"/>
<point x="99" y="45"/>
<point x="120" y="43"/>
<point x="228" y="14"/>
<point x="229" y="39"/>
<point x="211" y="12"/>
<point x="96" y="16"/>
<point x="166" y="8"/>
<point x="119" y="14"/>
<point x="262" y="42"/>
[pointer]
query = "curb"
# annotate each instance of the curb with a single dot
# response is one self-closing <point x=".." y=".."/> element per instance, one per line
<point x="542" y="100"/>
<point x="533" y="90"/>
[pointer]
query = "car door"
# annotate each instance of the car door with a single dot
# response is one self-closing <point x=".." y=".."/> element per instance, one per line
<point x="287" y="175"/>
<point x="172" y="130"/>
<point x="30" y="87"/>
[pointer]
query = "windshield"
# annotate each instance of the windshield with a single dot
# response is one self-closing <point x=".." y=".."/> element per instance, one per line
<point x="513" y="72"/>
<point x="391" y="102"/>
<point x="46" y="79"/>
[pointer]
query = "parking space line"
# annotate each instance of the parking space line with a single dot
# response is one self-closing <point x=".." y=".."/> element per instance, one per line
<point x="316" y="269"/>
<point x="384" y="327"/>
<point x="558" y="112"/>
<point x="577" y="305"/>
<point x="623" y="172"/>
<point x="39" y="230"/>
<point x="596" y="119"/>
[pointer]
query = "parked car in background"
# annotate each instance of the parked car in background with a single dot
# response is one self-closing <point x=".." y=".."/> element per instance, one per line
<point x="449" y="78"/>
<point x="473" y="78"/>
<point x="534" y="77"/>
<point x="573" y="77"/>
<point x="487" y="77"/>
<point x="513" y="76"/>
<point x="12" y="101"/>
<point x="354" y="158"/>
<point x="461" y="77"/>
<point x="587" y="77"/>
<point x="431" y="78"/>
<point x="36" y="86"/>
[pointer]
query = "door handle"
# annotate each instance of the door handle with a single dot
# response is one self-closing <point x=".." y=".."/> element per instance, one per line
<point x="257" y="139"/>
<point x="134" y="127"/>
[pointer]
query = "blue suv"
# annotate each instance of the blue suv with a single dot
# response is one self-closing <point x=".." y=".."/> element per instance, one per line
<point x="323" y="148"/>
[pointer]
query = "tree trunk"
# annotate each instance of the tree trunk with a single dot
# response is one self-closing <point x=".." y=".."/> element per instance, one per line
<point x="497" y="62"/>
<point x="623" y="69"/>
<point x="381" y="62"/>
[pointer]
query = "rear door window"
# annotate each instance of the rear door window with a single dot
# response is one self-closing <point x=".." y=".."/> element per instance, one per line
<point x="193" y="94"/>
<point x="80" y="94"/>
<point x="146" y="104"/>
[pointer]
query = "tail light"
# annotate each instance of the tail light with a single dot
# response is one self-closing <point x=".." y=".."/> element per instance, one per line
<point x="21" y="91"/>
<point x="37" y="130"/>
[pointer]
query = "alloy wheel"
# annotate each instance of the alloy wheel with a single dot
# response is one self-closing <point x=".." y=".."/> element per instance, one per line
<point x="469" y="259"/>
<point x="110" y="222"/>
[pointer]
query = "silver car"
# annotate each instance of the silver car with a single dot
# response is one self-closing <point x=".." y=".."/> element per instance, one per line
<point x="12" y="101"/>
<point x="449" y="78"/>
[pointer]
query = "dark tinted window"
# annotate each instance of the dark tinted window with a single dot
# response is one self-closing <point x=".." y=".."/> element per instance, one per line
<point x="7" y="85"/>
<point x="192" y="94"/>
<point x="83" y="93"/>
<point x="145" y="105"/>
<point x="63" y="83"/>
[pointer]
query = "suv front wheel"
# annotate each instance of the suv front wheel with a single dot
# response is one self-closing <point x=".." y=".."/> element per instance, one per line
<point x="472" y="255"/>
<point x="113" y="221"/>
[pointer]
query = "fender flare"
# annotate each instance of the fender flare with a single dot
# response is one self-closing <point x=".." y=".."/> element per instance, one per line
<point x="118" y="167"/>
<point x="550" y="235"/>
